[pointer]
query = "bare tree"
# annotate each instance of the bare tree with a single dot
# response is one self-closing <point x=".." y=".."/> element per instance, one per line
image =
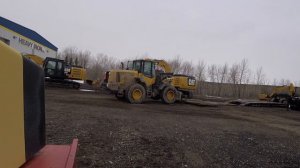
<point x="76" y="61"/>
<point x="275" y="82"/>
<point x="222" y="73"/>
<point x="200" y="71"/>
<point x="187" y="68"/>
<point x="260" y="76"/>
<point x="249" y="77"/>
<point x="212" y="73"/>
<point x="73" y="56"/>
<point x="100" y="64"/>
<point x="71" y="53"/>
<point x="283" y="82"/>
<point x="84" y="58"/>
<point x="267" y="82"/>
<point x="287" y="82"/>
<point x="243" y="69"/>
<point x="234" y="77"/>
<point x="70" y="61"/>
<point x="212" y="76"/>
<point x="175" y="63"/>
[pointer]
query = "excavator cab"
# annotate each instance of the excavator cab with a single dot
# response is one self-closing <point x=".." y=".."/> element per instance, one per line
<point x="59" y="72"/>
<point x="54" y="68"/>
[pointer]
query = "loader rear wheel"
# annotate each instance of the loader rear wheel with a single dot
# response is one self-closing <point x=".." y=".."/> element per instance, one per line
<point x="136" y="94"/>
<point x="169" y="95"/>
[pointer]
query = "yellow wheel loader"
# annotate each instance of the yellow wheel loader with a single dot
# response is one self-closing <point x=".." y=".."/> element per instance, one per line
<point x="149" y="78"/>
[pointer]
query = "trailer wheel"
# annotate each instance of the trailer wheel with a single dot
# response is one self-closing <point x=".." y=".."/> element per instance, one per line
<point x="135" y="94"/>
<point x="168" y="95"/>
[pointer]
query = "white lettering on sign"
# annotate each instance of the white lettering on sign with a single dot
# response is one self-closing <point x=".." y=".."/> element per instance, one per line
<point x="31" y="44"/>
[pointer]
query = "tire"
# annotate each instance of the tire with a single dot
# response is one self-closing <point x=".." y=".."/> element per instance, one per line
<point x="135" y="94"/>
<point x="168" y="95"/>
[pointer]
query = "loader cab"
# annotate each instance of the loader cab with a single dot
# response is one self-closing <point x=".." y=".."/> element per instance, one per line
<point x="54" y="68"/>
<point x="146" y="67"/>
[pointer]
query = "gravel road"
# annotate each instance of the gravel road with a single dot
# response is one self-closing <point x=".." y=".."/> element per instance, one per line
<point x="114" y="133"/>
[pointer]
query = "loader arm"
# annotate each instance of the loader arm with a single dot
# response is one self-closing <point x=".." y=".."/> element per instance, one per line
<point x="164" y="65"/>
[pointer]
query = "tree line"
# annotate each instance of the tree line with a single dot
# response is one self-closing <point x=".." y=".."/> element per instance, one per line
<point x="237" y="73"/>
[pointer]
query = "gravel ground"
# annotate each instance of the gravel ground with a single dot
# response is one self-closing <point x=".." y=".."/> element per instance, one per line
<point x="114" y="133"/>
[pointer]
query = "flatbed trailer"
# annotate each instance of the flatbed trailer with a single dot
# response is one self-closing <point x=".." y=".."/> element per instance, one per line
<point x="264" y="104"/>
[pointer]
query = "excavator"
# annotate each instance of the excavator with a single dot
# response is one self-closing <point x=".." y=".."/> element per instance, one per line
<point x="279" y="94"/>
<point x="59" y="72"/>
<point x="22" y="117"/>
<point x="149" y="78"/>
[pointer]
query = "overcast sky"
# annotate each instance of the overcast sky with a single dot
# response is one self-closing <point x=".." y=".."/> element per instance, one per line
<point x="266" y="32"/>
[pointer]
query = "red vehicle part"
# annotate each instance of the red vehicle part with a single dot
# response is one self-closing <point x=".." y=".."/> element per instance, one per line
<point x="54" y="156"/>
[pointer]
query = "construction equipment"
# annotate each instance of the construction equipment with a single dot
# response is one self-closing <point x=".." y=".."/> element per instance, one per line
<point x="22" y="116"/>
<point x="149" y="78"/>
<point x="293" y="103"/>
<point x="58" y="71"/>
<point x="279" y="94"/>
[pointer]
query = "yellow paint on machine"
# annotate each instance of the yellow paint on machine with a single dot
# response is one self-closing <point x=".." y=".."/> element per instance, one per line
<point x="12" y="139"/>
<point x="77" y="73"/>
<point x="183" y="83"/>
<point x="38" y="60"/>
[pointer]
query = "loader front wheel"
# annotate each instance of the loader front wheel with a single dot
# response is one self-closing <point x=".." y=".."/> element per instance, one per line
<point x="169" y="95"/>
<point x="135" y="94"/>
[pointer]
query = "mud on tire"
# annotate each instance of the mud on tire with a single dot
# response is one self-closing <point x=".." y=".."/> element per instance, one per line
<point x="168" y="95"/>
<point x="135" y="94"/>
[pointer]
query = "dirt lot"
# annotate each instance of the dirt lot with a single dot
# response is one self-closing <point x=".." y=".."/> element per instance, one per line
<point x="113" y="133"/>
